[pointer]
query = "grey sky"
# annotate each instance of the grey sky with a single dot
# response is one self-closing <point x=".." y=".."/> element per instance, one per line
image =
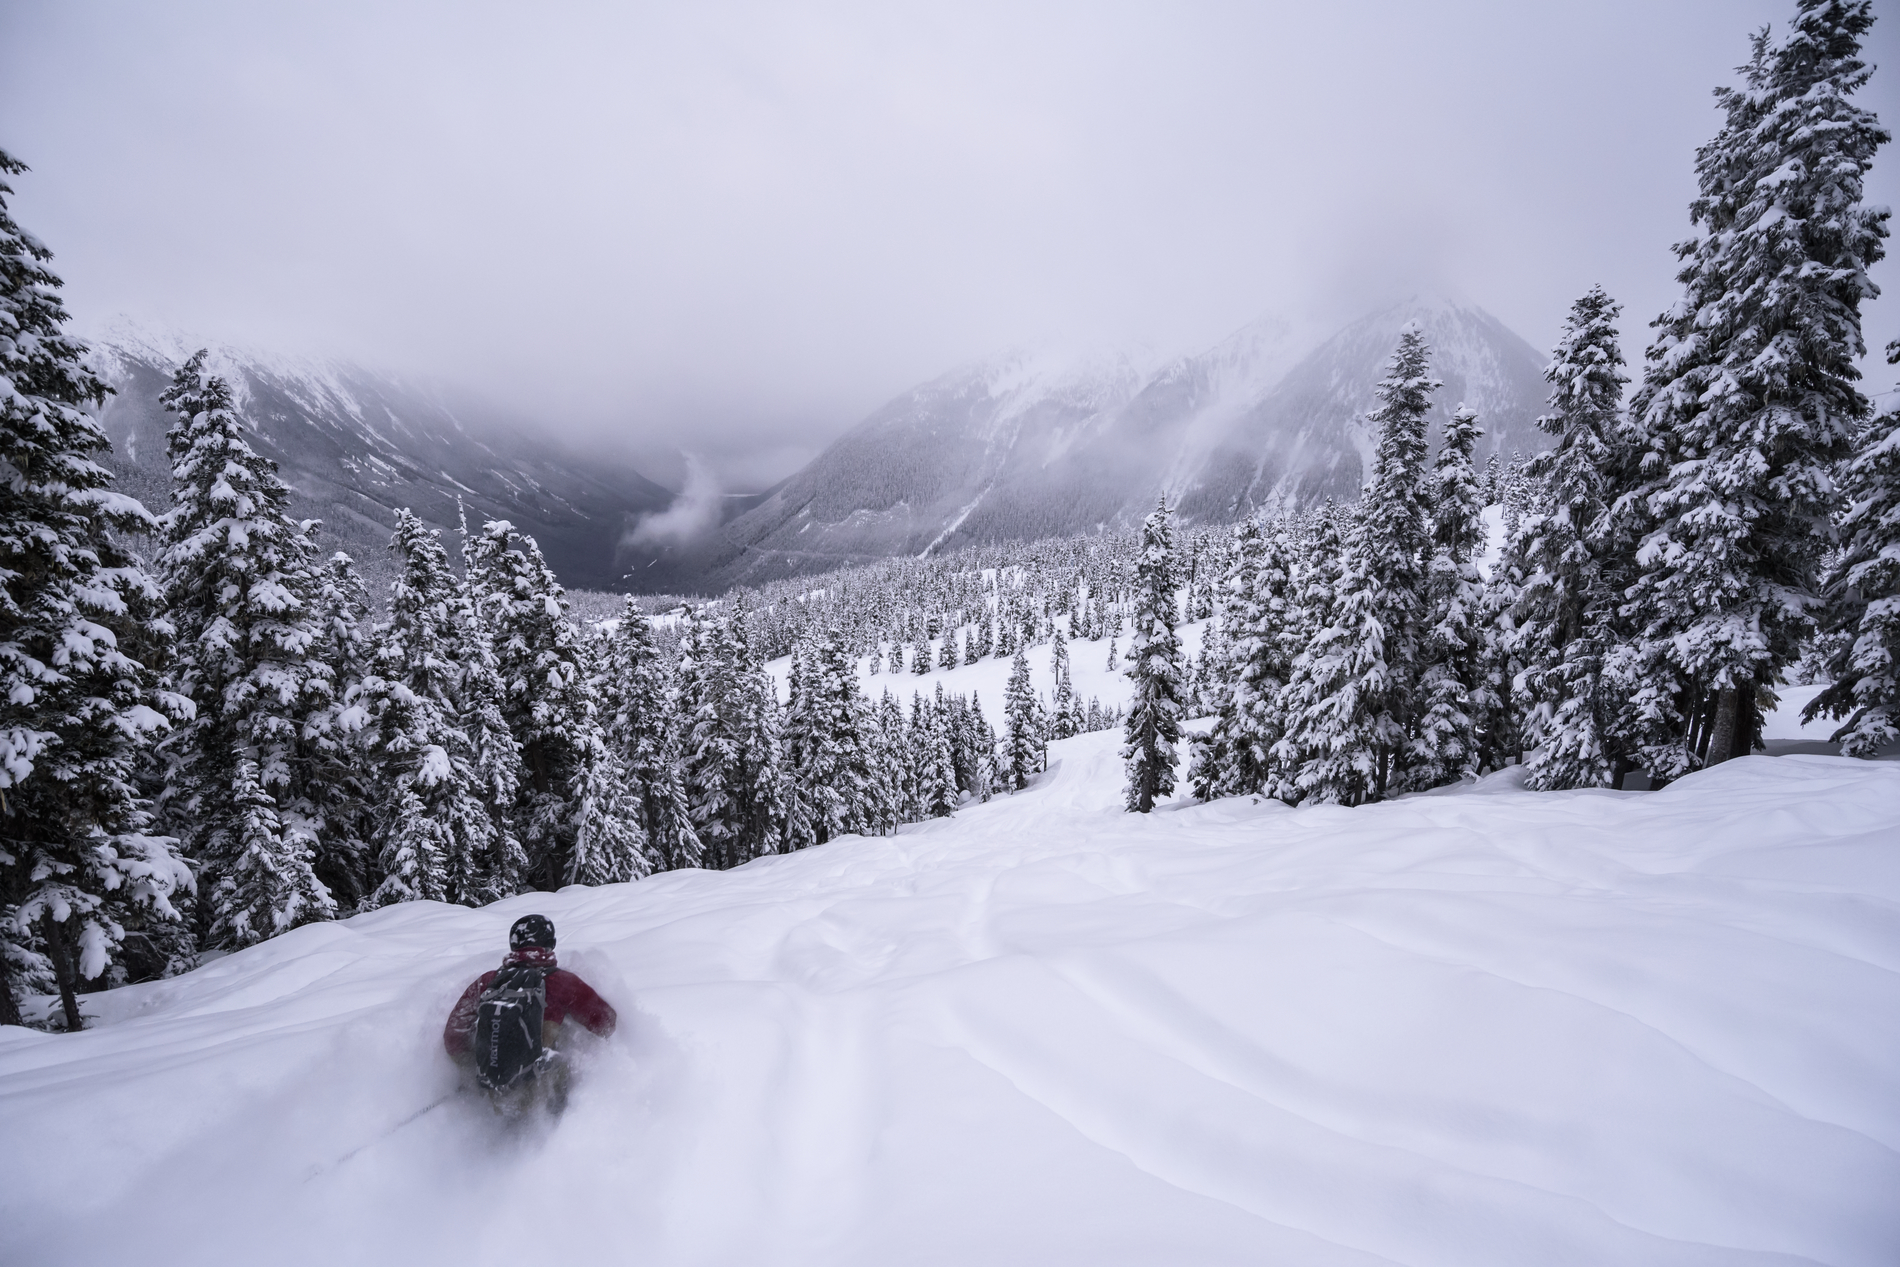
<point x="736" y="229"/>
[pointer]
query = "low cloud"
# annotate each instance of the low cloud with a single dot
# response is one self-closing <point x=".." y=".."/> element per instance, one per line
<point x="693" y="514"/>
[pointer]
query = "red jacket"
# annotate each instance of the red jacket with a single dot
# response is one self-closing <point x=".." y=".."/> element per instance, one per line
<point x="568" y="995"/>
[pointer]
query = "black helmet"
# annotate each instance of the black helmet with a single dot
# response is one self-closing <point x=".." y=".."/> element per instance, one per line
<point x="532" y="930"/>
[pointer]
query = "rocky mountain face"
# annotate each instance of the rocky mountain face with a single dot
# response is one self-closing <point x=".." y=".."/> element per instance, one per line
<point x="1037" y="444"/>
<point x="1033" y="443"/>
<point x="355" y="448"/>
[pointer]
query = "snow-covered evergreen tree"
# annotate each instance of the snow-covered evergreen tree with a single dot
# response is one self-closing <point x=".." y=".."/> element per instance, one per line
<point x="335" y="739"/>
<point x="826" y="746"/>
<point x="1023" y="745"/>
<point x="1863" y="595"/>
<point x="934" y="759"/>
<point x="1062" y="700"/>
<point x="1257" y="641"/>
<point x="78" y="852"/>
<point x="731" y="761"/>
<point x="577" y="826"/>
<point x="643" y="732"/>
<point x="1352" y="736"/>
<point x="240" y="582"/>
<point x="1445" y="748"/>
<point x="436" y="837"/>
<point x="1155" y="668"/>
<point x="495" y="754"/>
<point x="1749" y="399"/>
<point x="1566" y="614"/>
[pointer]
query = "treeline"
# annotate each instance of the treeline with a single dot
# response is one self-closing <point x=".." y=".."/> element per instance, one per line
<point x="219" y="743"/>
<point x="1667" y="562"/>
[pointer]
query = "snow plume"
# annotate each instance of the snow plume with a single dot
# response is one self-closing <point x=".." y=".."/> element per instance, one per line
<point x="693" y="513"/>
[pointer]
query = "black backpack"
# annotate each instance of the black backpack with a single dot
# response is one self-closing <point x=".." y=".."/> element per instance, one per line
<point x="508" y="1025"/>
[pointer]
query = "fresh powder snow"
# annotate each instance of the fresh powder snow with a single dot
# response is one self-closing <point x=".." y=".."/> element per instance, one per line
<point x="1478" y="1026"/>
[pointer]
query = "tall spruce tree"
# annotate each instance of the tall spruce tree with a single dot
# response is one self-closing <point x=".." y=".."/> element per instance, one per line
<point x="495" y="754"/>
<point x="436" y="837"/>
<point x="1023" y="742"/>
<point x="1358" y="702"/>
<point x="578" y="827"/>
<point x="1445" y="749"/>
<point x="335" y="738"/>
<point x="78" y="854"/>
<point x="644" y="733"/>
<point x="933" y="758"/>
<point x="1062" y="699"/>
<point x="825" y="742"/>
<point x="1863" y="595"/>
<point x="731" y="761"/>
<point x="1566" y="611"/>
<point x="1749" y="400"/>
<point x="240" y="582"/>
<point x="1155" y="668"/>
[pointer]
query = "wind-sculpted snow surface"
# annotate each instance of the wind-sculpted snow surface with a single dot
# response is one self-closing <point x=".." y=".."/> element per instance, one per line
<point x="1481" y="1028"/>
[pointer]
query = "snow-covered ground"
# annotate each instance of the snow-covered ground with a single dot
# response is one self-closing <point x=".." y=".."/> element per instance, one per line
<point x="1483" y="1027"/>
<point x="1089" y="673"/>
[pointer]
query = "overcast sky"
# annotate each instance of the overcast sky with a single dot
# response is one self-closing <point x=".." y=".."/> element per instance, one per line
<point x="737" y="229"/>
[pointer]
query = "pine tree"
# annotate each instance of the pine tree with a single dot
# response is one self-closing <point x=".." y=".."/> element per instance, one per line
<point x="550" y="711"/>
<point x="436" y="836"/>
<point x="1353" y="735"/>
<point x="1566" y="615"/>
<point x="984" y="775"/>
<point x="826" y="747"/>
<point x="731" y="764"/>
<point x="934" y="761"/>
<point x="1154" y="666"/>
<point x="334" y="738"/>
<point x="890" y="759"/>
<point x="78" y="855"/>
<point x="495" y="754"/>
<point x="1062" y="702"/>
<point x="240" y="580"/>
<point x="1863" y="595"/>
<point x="610" y="842"/>
<point x="1498" y="706"/>
<point x="643" y="732"/>
<point x="1749" y="399"/>
<point x="1022" y="755"/>
<point x="1445" y="749"/>
<point x="1256" y="662"/>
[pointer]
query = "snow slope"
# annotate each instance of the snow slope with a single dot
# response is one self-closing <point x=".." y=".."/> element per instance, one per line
<point x="1485" y="1027"/>
<point x="1089" y="673"/>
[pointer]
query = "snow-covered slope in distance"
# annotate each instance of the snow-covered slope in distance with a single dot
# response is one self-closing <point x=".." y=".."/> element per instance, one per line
<point x="355" y="447"/>
<point x="1037" y="444"/>
<point x="1480" y="1029"/>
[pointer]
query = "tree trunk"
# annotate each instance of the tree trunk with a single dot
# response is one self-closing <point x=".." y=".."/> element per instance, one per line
<point x="1747" y="719"/>
<point x="59" y="949"/>
<point x="1722" y="733"/>
<point x="9" y="1006"/>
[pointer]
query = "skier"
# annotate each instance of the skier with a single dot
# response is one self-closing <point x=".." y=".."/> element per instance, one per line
<point x="508" y="1027"/>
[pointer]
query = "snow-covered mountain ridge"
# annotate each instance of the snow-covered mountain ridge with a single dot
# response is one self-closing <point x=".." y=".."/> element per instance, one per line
<point x="355" y="447"/>
<point x="1483" y="1026"/>
<point x="1039" y="443"/>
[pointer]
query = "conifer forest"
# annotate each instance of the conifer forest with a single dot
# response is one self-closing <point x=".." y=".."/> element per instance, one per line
<point x="212" y="732"/>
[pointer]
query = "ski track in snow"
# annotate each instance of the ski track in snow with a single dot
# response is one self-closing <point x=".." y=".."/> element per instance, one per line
<point x="1484" y="1027"/>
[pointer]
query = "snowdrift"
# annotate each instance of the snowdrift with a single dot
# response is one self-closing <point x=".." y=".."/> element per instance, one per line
<point x="1488" y="1027"/>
